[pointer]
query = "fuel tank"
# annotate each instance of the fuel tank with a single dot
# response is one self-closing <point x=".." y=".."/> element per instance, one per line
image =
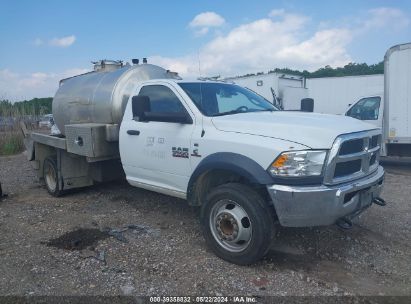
<point x="101" y="96"/>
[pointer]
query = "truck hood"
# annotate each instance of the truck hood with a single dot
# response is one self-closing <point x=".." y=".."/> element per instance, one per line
<point x="316" y="131"/>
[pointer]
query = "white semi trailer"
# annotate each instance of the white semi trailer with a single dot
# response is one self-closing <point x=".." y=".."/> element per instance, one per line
<point x="245" y="163"/>
<point x="283" y="90"/>
<point x="334" y="95"/>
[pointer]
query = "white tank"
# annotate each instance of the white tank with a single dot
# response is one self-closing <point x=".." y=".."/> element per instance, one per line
<point x="101" y="96"/>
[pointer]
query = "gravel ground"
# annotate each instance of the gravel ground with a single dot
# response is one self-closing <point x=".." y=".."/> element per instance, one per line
<point x="113" y="239"/>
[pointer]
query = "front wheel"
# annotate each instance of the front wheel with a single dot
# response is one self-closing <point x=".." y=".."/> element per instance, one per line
<point x="237" y="224"/>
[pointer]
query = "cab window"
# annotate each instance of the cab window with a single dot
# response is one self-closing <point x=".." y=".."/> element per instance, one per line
<point x="162" y="99"/>
<point x="366" y="109"/>
<point x="216" y="99"/>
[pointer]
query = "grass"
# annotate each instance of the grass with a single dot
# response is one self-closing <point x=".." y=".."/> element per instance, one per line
<point x="11" y="142"/>
<point x="11" y="136"/>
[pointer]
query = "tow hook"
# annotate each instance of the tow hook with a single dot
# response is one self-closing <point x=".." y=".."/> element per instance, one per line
<point x="344" y="223"/>
<point x="379" y="201"/>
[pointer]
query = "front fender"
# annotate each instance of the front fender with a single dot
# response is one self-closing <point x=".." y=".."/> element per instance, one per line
<point x="233" y="162"/>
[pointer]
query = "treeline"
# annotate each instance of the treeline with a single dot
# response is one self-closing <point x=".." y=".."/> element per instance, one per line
<point x="350" y="69"/>
<point x="34" y="107"/>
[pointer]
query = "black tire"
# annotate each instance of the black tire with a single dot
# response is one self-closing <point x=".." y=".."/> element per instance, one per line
<point x="223" y="207"/>
<point x="50" y="175"/>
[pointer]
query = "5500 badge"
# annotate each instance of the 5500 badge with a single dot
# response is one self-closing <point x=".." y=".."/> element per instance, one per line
<point x="180" y="152"/>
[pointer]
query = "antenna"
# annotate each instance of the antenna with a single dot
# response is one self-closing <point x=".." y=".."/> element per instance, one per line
<point x="199" y="63"/>
<point x="201" y="103"/>
<point x="201" y="93"/>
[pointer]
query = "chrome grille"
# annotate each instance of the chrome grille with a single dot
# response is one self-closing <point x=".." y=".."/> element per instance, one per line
<point x="353" y="156"/>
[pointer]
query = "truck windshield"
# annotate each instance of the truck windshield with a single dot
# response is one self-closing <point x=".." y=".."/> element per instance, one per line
<point x="366" y="108"/>
<point x="217" y="99"/>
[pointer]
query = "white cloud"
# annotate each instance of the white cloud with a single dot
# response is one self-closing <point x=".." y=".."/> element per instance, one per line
<point x="207" y="19"/>
<point x="58" y="42"/>
<point x="312" y="51"/>
<point x="18" y="86"/>
<point x="385" y="17"/>
<point x="204" y="21"/>
<point x="263" y="44"/>
<point x="63" y="41"/>
<point x="185" y="66"/>
<point x="282" y="41"/>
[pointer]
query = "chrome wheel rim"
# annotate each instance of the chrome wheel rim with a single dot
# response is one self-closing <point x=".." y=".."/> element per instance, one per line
<point x="230" y="225"/>
<point x="51" y="178"/>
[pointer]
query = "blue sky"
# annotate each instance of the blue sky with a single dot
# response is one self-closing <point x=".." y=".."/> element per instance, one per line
<point x="43" y="41"/>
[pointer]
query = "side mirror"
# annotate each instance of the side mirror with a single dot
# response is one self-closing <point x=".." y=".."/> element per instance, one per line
<point x="140" y="105"/>
<point x="307" y="105"/>
<point x="141" y="108"/>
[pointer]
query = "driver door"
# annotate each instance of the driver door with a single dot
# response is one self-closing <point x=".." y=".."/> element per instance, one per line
<point x="157" y="156"/>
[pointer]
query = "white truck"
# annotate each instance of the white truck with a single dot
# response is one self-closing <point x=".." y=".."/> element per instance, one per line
<point x="246" y="164"/>
<point x="390" y="109"/>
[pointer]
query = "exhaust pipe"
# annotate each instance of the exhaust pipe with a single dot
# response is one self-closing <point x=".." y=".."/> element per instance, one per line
<point x="379" y="201"/>
<point x="344" y="223"/>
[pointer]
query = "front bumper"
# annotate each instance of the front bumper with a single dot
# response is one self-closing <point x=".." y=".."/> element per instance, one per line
<point x="304" y="206"/>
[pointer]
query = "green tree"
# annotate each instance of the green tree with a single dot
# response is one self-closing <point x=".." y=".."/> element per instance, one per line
<point x="35" y="106"/>
<point x="350" y="69"/>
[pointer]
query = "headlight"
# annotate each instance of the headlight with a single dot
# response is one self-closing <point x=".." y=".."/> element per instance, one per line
<point x="299" y="163"/>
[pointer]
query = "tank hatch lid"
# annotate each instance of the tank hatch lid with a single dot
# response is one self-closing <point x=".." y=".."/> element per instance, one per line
<point x="107" y="65"/>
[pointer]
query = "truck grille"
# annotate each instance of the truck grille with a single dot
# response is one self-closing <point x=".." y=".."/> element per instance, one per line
<point x="353" y="156"/>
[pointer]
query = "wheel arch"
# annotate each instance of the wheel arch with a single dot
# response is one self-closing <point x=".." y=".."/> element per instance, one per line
<point x="224" y="167"/>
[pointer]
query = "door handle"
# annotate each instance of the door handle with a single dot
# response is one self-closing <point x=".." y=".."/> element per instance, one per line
<point x="133" y="132"/>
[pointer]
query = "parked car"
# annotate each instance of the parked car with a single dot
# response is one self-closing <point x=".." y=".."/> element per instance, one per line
<point x="46" y="121"/>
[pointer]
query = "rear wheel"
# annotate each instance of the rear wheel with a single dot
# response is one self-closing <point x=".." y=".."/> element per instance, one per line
<point x="237" y="224"/>
<point x="50" y="175"/>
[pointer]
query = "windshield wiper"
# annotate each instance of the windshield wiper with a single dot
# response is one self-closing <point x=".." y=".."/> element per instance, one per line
<point x="229" y="112"/>
<point x="239" y="111"/>
<point x="265" y="110"/>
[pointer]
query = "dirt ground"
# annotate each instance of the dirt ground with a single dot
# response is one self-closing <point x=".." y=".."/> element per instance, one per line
<point x="113" y="239"/>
